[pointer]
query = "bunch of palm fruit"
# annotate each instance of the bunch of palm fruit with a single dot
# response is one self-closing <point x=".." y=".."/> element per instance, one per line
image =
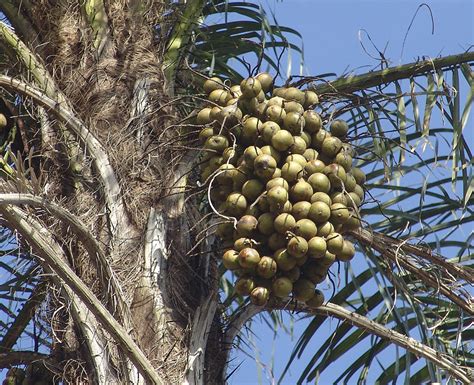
<point x="282" y="184"/>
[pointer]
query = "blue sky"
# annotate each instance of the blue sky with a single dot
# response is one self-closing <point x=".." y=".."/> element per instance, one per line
<point x="335" y="34"/>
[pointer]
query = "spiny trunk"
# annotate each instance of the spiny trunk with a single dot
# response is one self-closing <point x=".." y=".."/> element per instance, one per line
<point x="110" y="164"/>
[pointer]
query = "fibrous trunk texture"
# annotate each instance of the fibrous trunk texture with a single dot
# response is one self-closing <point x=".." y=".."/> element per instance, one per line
<point x="107" y="194"/>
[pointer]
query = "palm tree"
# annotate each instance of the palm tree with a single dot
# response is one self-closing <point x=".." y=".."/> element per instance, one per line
<point x="111" y="264"/>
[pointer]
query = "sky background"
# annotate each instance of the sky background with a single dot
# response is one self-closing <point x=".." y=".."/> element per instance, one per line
<point x="333" y="34"/>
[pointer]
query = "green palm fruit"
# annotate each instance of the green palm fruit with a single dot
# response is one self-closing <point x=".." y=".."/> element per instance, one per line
<point x="291" y="171"/>
<point x="316" y="300"/>
<point x="317" y="247"/>
<point x="213" y="84"/>
<point x="339" y="213"/>
<point x="319" y="212"/>
<point x="250" y="87"/>
<point x="339" y="128"/>
<point x="276" y="114"/>
<point x="264" y="166"/>
<point x="203" y="117"/>
<point x="313" y="122"/>
<point x="314" y="166"/>
<point x="284" y="222"/>
<point x="347" y="252"/>
<point x="259" y="296"/>
<point x="306" y="228"/>
<point x="216" y="143"/>
<point x="282" y="140"/>
<point x="246" y="225"/>
<point x="300" y="210"/>
<point x="297" y="247"/>
<point x="236" y="204"/>
<point x="358" y="175"/>
<point x="269" y="129"/>
<point x="294" y="122"/>
<point x="266" y="81"/>
<point x="230" y="259"/>
<point x="319" y="182"/>
<point x="282" y="287"/>
<point x="299" y="145"/>
<point x="267" y="267"/>
<point x="310" y="99"/>
<point x="325" y="228"/>
<point x="303" y="289"/>
<point x="277" y="182"/>
<point x="265" y="224"/>
<point x="276" y="241"/>
<point x="249" y="258"/>
<point x="244" y="285"/>
<point x="284" y="261"/>
<point x="334" y="242"/>
<point x="301" y="191"/>
<point x="320" y="196"/>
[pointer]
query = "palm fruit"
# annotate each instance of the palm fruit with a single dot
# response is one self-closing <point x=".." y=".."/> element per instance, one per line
<point x="225" y="174"/>
<point x="252" y="210"/>
<point x="220" y="97"/>
<point x="347" y="252"/>
<point x="248" y="106"/>
<point x="319" y="212"/>
<point x="331" y="146"/>
<point x="230" y="155"/>
<point x="277" y="208"/>
<point x="276" y="101"/>
<point x="282" y="287"/>
<point x="242" y="243"/>
<point x="240" y="177"/>
<point x="344" y="159"/>
<point x="327" y="260"/>
<point x="339" y="213"/>
<point x="284" y="261"/>
<point x="266" y="81"/>
<point x="282" y="140"/>
<point x="250" y="153"/>
<point x="251" y="129"/>
<point x="230" y="260"/>
<point x="310" y="154"/>
<point x="277" y="195"/>
<point x="294" y="94"/>
<point x="230" y="115"/>
<point x="264" y="166"/>
<point x="278" y="91"/>
<point x="314" y="166"/>
<point x="297" y="247"/>
<point x="358" y="175"/>
<point x="277" y="182"/>
<point x="316" y="300"/>
<point x="214" y="113"/>
<point x="317" y="247"/>
<point x="340" y="197"/>
<point x="310" y="99"/>
<point x="212" y="84"/>
<point x="216" y="143"/>
<point x="318" y="138"/>
<point x="325" y="228"/>
<point x="262" y="203"/>
<point x="359" y="191"/>
<point x="303" y="289"/>
<point x="215" y="162"/>
<point x="298" y="158"/>
<point x="307" y="139"/>
<point x="205" y="133"/>
<point x="261" y="96"/>
<point x="246" y="225"/>
<point x="293" y="107"/>
<point x="250" y="87"/>
<point x="276" y="241"/>
<point x="267" y="267"/>
<point x="203" y="116"/>
<point x="320" y="196"/>
<point x="353" y="222"/>
<point x="353" y="200"/>
<point x="284" y="222"/>
<point x="249" y="258"/>
<point x="294" y="274"/>
<point x="270" y="150"/>
<point x="350" y="182"/>
<point x="291" y="171"/>
<point x="259" y="296"/>
<point x="235" y="91"/>
<point x="300" y="210"/>
<point x="339" y="128"/>
<point x="301" y="191"/>
<point x="299" y="145"/>
<point x="313" y="122"/>
<point x="265" y="224"/>
<point x="236" y="204"/>
<point x="275" y="113"/>
<point x="334" y="243"/>
<point x="336" y="174"/>
<point x="315" y="272"/>
<point x="269" y="129"/>
<point x="306" y="229"/>
<point x="244" y="285"/>
<point x="319" y="182"/>
<point x="294" y="122"/>
<point x="252" y="189"/>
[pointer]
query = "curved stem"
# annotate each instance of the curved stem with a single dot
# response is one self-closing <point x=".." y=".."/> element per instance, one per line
<point x="52" y="255"/>
<point x="119" y="223"/>
<point x="355" y="83"/>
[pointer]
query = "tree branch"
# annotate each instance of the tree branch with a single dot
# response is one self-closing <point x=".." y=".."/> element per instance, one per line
<point x="23" y="318"/>
<point x="51" y="253"/>
<point x="18" y="20"/>
<point x="97" y="17"/>
<point x="115" y="297"/>
<point x="21" y="358"/>
<point x="355" y="83"/>
<point x="119" y="223"/>
<point x="439" y="359"/>
<point x="383" y="248"/>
